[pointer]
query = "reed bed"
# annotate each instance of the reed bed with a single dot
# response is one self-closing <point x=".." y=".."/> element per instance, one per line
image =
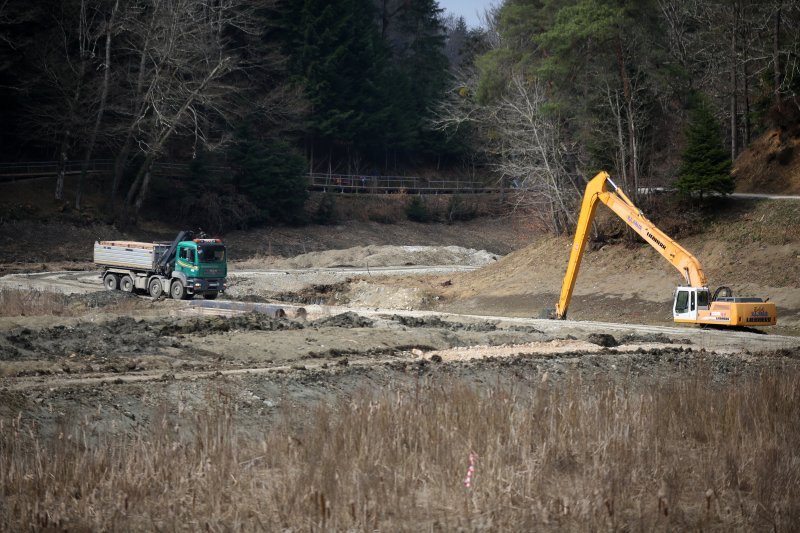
<point x="27" y="302"/>
<point x="620" y="454"/>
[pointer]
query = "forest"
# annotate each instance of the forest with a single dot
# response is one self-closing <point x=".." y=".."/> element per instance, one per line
<point x="249" y="96"/>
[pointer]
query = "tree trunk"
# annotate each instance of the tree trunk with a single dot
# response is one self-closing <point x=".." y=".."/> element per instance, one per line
<point x="623" y="157"/>
<point x="145" y="185"/>
<point x="634" y="151"/>
<point x="119" y="167"/>
<point x="628" y="94"/>
<point x="134" y="188"/>
<point x="746" y="95"/>
<point x="733" y="106"/>
<point x="161" y="139"/>
<point x="776" y="58"/>
<point x="62" y="165"/>
<point x="100" y="110"/>
<point x="70" y="119"/>
<point x="122" y="157"/>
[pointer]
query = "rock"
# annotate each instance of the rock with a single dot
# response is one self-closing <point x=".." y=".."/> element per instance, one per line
<point x="602" y="339"/>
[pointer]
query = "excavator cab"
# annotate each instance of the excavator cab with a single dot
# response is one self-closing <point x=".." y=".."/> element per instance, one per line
<point x="688" y="301"/>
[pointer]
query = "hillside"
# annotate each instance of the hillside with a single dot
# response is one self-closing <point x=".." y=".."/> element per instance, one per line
<point x="771" y="164"/>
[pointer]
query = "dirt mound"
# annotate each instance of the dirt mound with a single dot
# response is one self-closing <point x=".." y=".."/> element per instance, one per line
<point x="497" y="235"/>
<point x="123" y="335"/>
<point x="646" y="338"/>
<point x="771" y="164"/>
<point x="382" y="256"/>
<point x="436" y="322"/>
<point x="344" y="320"/>
<point x="101" y="299"/>
<point x="127" y="336"/>
<point x="219" y="324"/>
<point x="602" y="339"/>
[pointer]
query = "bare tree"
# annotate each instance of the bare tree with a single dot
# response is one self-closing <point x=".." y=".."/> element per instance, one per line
<point x="184" y="56"/>
<point x="524" y="145"/>
<point x="106" y="67"/>
<point x="72" y="83"/>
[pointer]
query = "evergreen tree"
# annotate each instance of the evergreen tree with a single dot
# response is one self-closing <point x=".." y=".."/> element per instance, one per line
<point x="706" y="164"/>
<point x="271" y="175"/>
<point x="419" y="57"/>
<point x="338" y="58"/>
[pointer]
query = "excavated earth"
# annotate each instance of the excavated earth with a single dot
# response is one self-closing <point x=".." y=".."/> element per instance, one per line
<point x="363" y="318"/>
<point x="119" y="371"/>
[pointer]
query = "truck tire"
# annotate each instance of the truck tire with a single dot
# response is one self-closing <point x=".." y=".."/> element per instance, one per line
<point x="177" y="290"/>
<point x="211" y="295"/>
<point x="155" y="288"/>
<point x="111" y="282"/>
<point x="126" y="284"/>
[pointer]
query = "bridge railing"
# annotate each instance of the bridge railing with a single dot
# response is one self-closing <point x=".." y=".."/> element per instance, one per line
<point x="50" y="168"/>
<point x="328" y="182"/>
<point x="365" y="184"/>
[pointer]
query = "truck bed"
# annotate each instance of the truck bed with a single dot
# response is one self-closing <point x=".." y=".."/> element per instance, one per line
<point x="128" y="254"/>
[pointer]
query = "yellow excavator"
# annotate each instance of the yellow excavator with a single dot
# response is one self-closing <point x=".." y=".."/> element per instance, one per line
<point x="693" y="302"/>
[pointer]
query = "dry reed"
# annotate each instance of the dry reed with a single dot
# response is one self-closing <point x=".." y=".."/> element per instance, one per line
<point x="26" y="302"/>
<point x="688" y="454"/>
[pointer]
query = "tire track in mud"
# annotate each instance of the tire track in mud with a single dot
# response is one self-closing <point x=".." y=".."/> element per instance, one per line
<point x="121" y="342"/>
<point x="66" y="282"/>
<point x="548" y="351"/>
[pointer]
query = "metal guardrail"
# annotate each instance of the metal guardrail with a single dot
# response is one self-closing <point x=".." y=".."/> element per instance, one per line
<point x="43" y="169"/>
<point x="51" y="168"/>
<point x="335" y="183"/>
<point x="364" y="184"/>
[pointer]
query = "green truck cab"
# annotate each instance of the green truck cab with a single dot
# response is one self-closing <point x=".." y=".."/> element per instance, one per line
<point x="201" y="265"/>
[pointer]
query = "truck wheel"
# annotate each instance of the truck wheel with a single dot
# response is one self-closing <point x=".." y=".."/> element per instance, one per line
<point x="126" y="284"/>
<point x="155" y="288"/>
<point x="210" y="295"/>
<point x="111" y="282"/>
<point x="177" y="291"/>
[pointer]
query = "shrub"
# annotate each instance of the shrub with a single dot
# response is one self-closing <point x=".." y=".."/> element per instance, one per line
<point x="417" y="211"/>
<point x="460" y="208"/>
<point x="326" y="213"/>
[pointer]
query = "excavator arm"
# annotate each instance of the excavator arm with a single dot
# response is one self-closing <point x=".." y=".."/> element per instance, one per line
<point x="602" y="189"/>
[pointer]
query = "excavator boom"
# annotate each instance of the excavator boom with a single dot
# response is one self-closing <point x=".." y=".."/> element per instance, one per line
<point x="693" y="303"/>
<point x="602" y="189"/>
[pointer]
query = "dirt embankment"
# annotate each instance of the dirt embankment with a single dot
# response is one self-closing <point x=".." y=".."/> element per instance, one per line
<point x="771" y="164"/>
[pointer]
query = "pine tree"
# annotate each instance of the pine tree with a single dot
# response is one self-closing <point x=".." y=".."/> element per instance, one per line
<point x="338" y="58"/>
<point x="706" y="164"/>
<point x="271" y="175"/>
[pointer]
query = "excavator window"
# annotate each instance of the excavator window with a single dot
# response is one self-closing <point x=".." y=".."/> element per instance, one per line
<point x="702" y="299"/>
<point x="692" y="300"/>
<point x="682" y="302"/>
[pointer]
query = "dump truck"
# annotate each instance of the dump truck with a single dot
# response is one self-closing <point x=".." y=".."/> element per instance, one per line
<point x="184" y="268"/>
<point x="693" y="302"/>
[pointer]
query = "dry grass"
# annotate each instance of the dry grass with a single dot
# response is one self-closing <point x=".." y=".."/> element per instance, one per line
<point x="24" y="302"/>
<point x="578" y="456"/>
<point x="32" y="302"/>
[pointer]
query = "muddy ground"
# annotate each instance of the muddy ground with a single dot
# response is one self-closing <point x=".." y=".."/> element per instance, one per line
<point x="118" y="372"/>
<point x="402" y="303"/>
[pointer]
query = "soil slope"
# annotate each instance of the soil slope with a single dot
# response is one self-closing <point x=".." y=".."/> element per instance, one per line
<point x="771" y="164"/>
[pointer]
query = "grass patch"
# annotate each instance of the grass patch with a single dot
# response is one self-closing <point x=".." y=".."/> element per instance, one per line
<point x="25" y="302"/>
<point x="688" y="454"/>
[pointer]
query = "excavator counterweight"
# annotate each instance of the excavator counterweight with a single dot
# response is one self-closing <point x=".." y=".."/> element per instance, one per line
<point x="693" y="302"/>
